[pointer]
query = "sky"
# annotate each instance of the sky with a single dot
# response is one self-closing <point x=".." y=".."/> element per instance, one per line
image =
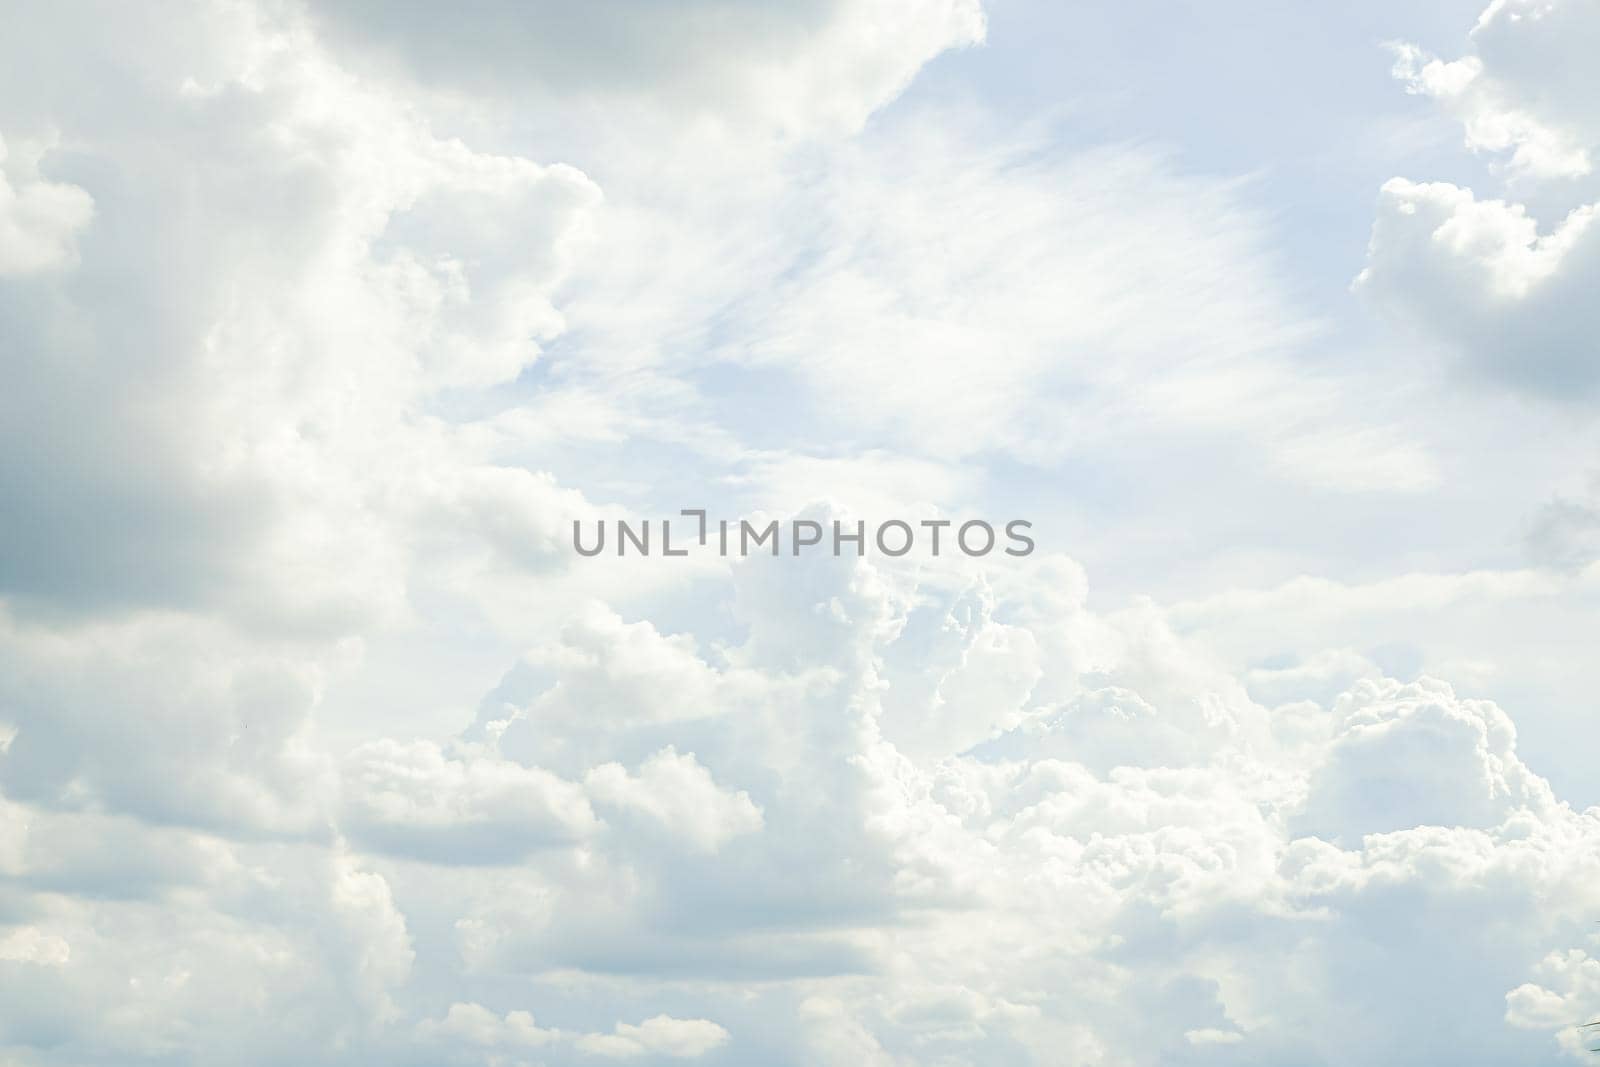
<point x="322" y="324"/>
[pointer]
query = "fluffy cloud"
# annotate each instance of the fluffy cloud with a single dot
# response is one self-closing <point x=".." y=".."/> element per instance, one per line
<point x="1500" y="287"/>
<point x="307" y="349"/>
<point x="39" y="219"/>
<point x="1481" y="276"/>
<point x="679" y="795"/>
<point x="1575" y="976"/>
<point x="27" y="944"/>
<point x="678" y="1038"/>
<point x="477" y="1025"/>
<point x="1226" y="863"/>
<point x="1416" y="757"/>
<point x="415" y="798"/>
<point x="661" y="1035"/>
<point x="169" y="719"/>
<point x="201" y="413"/>
<point x="1565" y="533"/>
<point x="1525" y="90"/>
<point x="271" y="951"/>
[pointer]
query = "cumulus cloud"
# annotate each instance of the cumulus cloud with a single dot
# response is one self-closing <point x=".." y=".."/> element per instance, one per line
<point x="277" y="950"/>
<point x="1225" y="863"/>
<point x="660" y="1035"/>
<point x="1500" y="287"/>
<point x="416" y="798"/>
<point x="26" y="944"/>
<point x="1525" y="89"/>
<point x="1568" y="989"/>
<point x="1491" y="122"/>
<point x="477" y="1025"/>
<point x="1482" y="276"/>
<point x="308" y="349"/>
<point x="39" y="219"/>
<point x="678" y="1038"/>
<point x="1403" y="757"/>
<point x="170" y="719"/>
<point x="679" y="795"/>
<point x="261" y="321"/>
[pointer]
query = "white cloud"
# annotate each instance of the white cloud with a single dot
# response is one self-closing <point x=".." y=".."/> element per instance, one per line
<point x="660" y="1035"/>
<point x="677" y="1038"/>
<point x="1414" y="756"/>
<point x="170" y="719"/>
<point x="1198" y="813"/>
<point x="1213" y="1037"/>
<point x="277" y="317"/>
<point x="1525" y="90"/>
<point x="1498" y="286"/>
<point x="39" y="219"/>
<point x="679" y="795"/>
<point x="279" y="950"/>
<point x="272" y="322"/>
<point x="477" y="1025"/>
<point x="1481" y="276"/>
<point x="1492" y="123"/>
<point x="1141" y="836"/>
<point x="27" y="944"/>
<point x="1565" y="999"/>
<point x="415" y="798"/>
<point x="952" y="292"/>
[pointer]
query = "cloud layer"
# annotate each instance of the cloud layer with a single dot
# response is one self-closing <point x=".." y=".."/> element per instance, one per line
<point x="318" y="745"/>
<point x="1493" y="282"/>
